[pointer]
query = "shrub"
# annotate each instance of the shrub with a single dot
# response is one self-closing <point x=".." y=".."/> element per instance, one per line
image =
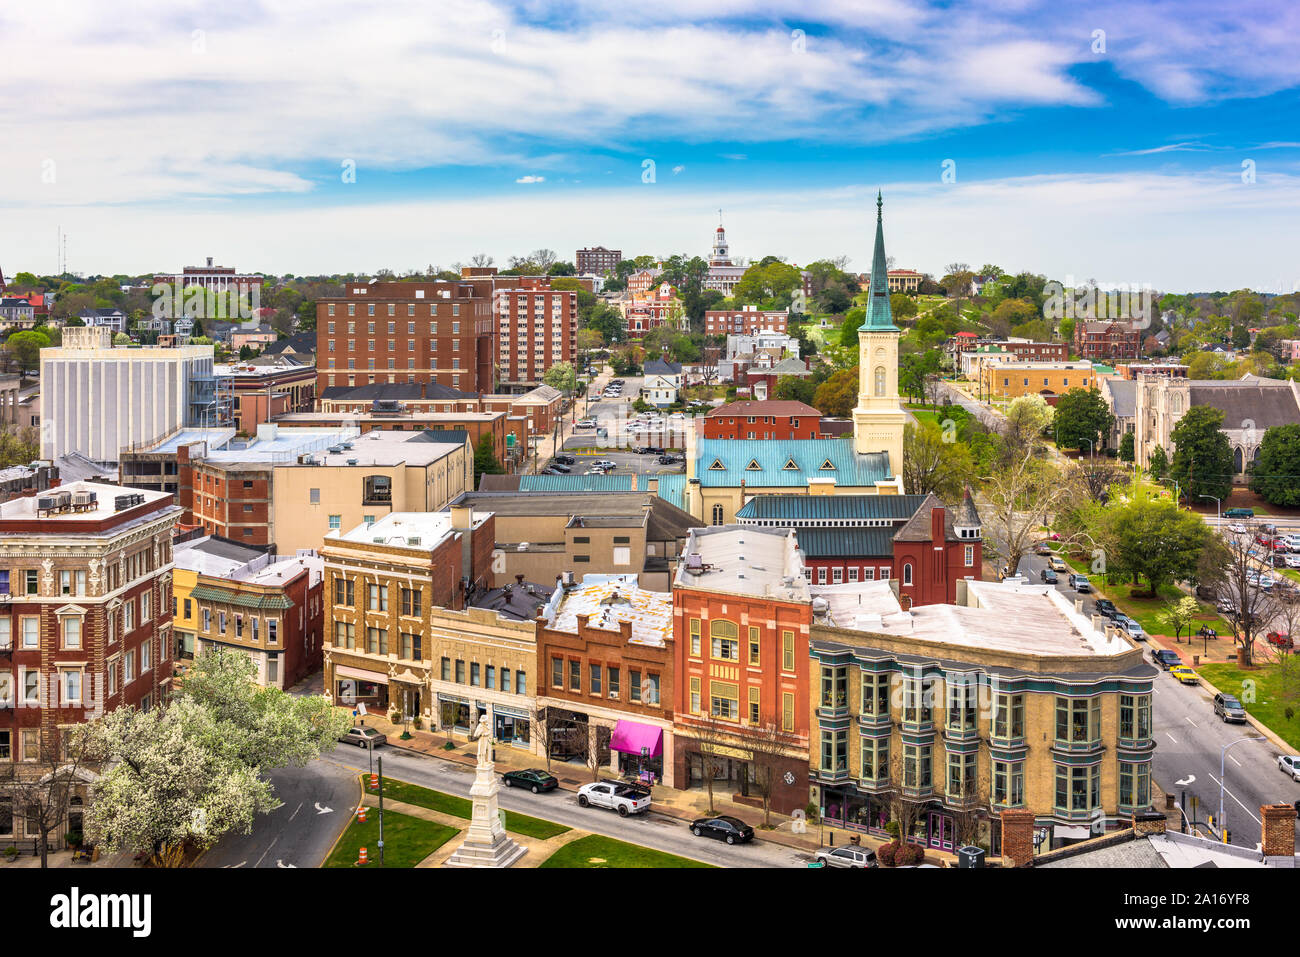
<point x="909" y="855"/>
<point x="812" y="811"/>
<point x="449" y="746"/>
<point x="892" y="829"/>
<point x="886" y="854"/>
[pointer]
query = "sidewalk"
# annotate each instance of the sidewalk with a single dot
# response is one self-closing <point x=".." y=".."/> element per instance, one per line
<point x="670" y="802"/>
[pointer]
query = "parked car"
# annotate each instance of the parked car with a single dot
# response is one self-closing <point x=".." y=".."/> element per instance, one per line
<point x="1239" y="513"/>
<point x="1080" y="583"/>
<point x="1185" y="674"/>
<point x="1042" y="548"/>
<point x="533" y="779"/>
<point x="364" y="737"/>
<point x="1165" y="658"/>
<point x="1237" y="528"/>
<point x="1057" y="564"/>
<point x="1290" y="764"/>
<point x="1107" y="608"/>
<point x="552" y="470"/>
<point x="724" y="828"/>
<point x="847" y="856"/>
<point x="1135" y="630"/>
<point x="560" y="467"/>
<point x="566" y="460"/>
<point x="622" y="797"/>
<point x="606" y="464"/>
<point x="585" y="424"/>
<point x="1281" y="640"/>
<point x="1228" y="708"/>
<point x="1048" y="576"/>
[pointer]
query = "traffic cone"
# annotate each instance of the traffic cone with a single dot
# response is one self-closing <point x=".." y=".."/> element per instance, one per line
<point x="361" y="814"/>
<point x="362" y="862"/>
<point x="374" y="782"/>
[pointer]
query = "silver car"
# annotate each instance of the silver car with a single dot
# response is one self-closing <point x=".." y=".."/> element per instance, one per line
<point x="364" y="737"/>
<point x="847" y="856"/>
<point x="1290" y="764"/>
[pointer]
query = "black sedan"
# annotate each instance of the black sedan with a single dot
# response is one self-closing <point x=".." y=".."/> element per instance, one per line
<point x="1048" y="576"/>
<point x="724" y="828"/>
<point x="534" y="779"/>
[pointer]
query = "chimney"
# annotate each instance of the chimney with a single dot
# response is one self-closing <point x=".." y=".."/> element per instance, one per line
<point x="1278" y="839"/>
<point x="1149" y="822"/>
<point x="936" y="526"/>
<point x="1018" y="837"/>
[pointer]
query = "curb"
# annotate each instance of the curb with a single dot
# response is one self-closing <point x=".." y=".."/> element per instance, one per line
<point x="351" y="813"/>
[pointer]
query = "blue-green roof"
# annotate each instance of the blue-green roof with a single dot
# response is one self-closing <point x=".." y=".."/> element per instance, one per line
<point x="723" y="463"/>
<point x="846" y="542"/>
<point x="879" y="315"/>
<point x="794" y="508"/>
<point x="672" y="488"/>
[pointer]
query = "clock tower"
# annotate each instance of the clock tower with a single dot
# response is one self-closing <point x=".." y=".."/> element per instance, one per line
<point x="878" y="419"/>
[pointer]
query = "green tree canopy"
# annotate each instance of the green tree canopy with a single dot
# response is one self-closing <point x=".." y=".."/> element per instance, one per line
<point x="485" y="459"/>
<point x="1276" y="476"/>
<point x="1153" y="539"/>
<point x="1082" y="417"/>
<point x="1202" y="462"/>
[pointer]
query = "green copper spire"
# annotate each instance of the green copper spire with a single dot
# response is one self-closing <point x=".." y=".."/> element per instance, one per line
<point x="879" y="315"/>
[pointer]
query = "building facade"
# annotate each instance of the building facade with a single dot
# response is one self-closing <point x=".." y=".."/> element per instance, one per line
<point x="1010" y="380"/>
<point x="1103" y="341"/>
<point x="597" y="260"/>
<point x="748" y="320"/>
<point x="773" y="419"/>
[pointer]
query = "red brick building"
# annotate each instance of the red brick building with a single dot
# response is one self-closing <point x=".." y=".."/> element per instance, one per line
<point x="742" y="612"/>
<point x="913" y="539"/>
<point x="597" y="260"/>
<point x="661" y="307"/>
<point x="748" y="320"/>
<point x="773" y="419"/>
<point x="605" y="675"/>
<point x="1107" y="341"/>
<point x="406" y="332"/>
<point x="86" y="613"/>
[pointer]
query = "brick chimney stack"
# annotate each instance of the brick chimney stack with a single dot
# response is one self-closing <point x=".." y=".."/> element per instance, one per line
<point x="1149" y="822"/>
<point x="936" y="527"/>
<point x="1279" y="830"/>
<point x="1018" y="837"/>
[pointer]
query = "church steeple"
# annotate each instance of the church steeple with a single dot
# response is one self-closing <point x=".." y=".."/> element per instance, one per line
<point x="879" y="315"/>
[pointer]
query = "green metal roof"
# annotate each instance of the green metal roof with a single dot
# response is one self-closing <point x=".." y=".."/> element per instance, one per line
<point x="672" y="488"/>
<point x="723" y="463"/>
<point x="846" y="542"/>
<point x="879" y="315"/>
<point x="244" y="599"/>
<point x="793" y="508"/>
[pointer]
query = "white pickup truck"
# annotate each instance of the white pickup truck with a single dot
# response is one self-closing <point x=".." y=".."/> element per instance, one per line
<point x="624" y="798"/>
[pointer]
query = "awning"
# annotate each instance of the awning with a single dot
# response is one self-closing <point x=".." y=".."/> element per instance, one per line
<point x="343" y="671"/>
<point x="630" y="737"/>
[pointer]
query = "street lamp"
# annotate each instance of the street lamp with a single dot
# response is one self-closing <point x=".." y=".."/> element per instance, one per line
<point x="1218" y="507"/>
<point x="1223" y="754"/>
<point x="1089" y="441"/>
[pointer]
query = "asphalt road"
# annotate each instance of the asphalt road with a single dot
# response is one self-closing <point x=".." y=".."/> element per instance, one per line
<point x="1188" y="741"/>
<point x="648" y="830"/>
<point x="317" y="802"/>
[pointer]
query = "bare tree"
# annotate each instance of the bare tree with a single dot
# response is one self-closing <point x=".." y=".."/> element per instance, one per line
<point x="712" y="735"/>
<point x="543" y="724"/>
<point x="1231" y="568"/>
<point x="42" y="791"/>
<point x="544" y="259"/>
<point x="481" y="260"/>
<point x="772" y="749"/>
<point x="1020" y="496"/>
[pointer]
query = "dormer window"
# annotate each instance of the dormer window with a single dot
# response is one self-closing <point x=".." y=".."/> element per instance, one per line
<point x="828" y="464"/>
<point x="790" y="466"/>
<point x="717" y="466"/>
<point x="753" y="466"/>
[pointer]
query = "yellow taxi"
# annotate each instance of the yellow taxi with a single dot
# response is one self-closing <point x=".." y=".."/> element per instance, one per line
<point x="1185" y="674"/>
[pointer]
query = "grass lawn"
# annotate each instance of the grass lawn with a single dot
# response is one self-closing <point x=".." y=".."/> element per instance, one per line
<point x="597" y="851"/>
<point x="1267" y="706"/>
<point x="462" y="807"/>
<point x="407" y="840"/>
<point x="923" y="414"/>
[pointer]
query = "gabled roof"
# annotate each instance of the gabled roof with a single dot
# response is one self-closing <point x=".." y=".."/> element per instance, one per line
<point x="777" y="407"/>
<point x="1263" y="403"/>
<point x="794" y="508"/>
<point x="917" y="528"/>
<point x="1123" y="396"/>
<point x="790" y="366"/>
<point x="660" y="367"/>
<point x="808" y="455"/>
<point x="301" y="342"/>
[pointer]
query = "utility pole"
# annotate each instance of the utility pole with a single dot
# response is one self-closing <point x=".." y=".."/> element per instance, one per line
<point x="381" y="811"/>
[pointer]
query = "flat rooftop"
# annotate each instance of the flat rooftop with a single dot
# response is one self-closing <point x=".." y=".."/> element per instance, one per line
<point x="744" y="560"/>
<point x="1019" y="618"/>
<point x="609" y="600"/>
<point x="216" y="439"/>
<point x="25" y="508"/>
<point x="385" y="447"/>
<point x="308" y="418"/>
<point x="415" y="530"/>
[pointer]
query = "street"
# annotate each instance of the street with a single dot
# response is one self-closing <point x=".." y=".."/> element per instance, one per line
<point x="282" y="836"/>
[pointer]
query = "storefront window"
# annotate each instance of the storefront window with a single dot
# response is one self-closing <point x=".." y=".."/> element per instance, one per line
<point x="1134" y="717"/>
<point x="1134" y="784"/>
<point x="1008" y="783"/>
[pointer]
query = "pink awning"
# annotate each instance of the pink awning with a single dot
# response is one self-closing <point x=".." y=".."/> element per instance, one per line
<point x="629" y="737"/>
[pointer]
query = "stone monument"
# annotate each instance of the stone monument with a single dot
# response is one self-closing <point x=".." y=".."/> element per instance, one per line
<point x="486" y="843"/>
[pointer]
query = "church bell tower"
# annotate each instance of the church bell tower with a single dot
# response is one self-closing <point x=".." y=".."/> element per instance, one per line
<point x="878" y="419"/>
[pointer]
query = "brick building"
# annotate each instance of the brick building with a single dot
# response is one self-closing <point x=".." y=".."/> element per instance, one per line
<point x="741" y="614"/>
<point x="1104" y="341"/>
<point x="86" y="613"/>
<point x="236" y="596"/>
<point x="749" y="320"/>
<point x="1010" y="380"/>
<point x="605" y="659"/>
<point x="406" y="332"/>
<point x="261" y="391"/>
<point x="914" y="540"/>
<point x="773" y="419"/>
<point x="597" y="261"/>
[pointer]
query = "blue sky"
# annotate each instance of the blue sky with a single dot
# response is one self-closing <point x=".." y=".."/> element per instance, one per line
<point x="1094" y="140"/>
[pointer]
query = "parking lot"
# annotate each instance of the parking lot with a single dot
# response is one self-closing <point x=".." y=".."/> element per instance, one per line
<point x="628" y="462"/>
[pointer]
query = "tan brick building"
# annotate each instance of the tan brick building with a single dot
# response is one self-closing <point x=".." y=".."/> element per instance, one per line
<point x="1010" y="380"/>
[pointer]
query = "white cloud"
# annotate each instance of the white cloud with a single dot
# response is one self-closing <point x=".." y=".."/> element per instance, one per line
<point x="531" y="179"/>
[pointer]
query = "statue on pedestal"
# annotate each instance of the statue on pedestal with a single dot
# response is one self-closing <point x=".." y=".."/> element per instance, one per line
<point x="483" y="735"/>
<point x="486" y="842"/>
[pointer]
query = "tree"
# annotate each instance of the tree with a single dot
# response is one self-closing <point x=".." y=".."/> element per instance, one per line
<point x="1276" y="476"/>
<point x="768" y="285"/>
<point x="772" y="751"/>
<point x="915" y="372"/>
<point x="902" y="306"/>
<point x="853" y="320"/>
<point x="1159" y="464"/>
<point x="42" y="791"/>
<point x="933" y="461"/>
<point x="1082" y="418"/>
<point x="1027" y="418"/>
<point x="485" y="459"/>
<point x="1229" y="570"/>
<point x="1020" y="493"/>
<point x="19" y="445"/>
<point x="561" y="376"/>
<point x="1202" y="462"/>
<point x="1126" y="451"/>
<point x="837" y="396"/>
<point x="1154" y="539"/>
<point x="26" y="346"/>
<point x="1180" y="614"/>
<point x="607" y="321"/>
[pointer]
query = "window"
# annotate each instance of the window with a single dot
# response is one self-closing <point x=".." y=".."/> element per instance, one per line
<point x="505" y="679"/>
<point x="634" y="685"/>
<point x="557" y="672"/>
<point x="970" y="556"/>
<point x="1134" y="784"/>
<point x="377" y="641"/>
<point x="378" y="597"/>
<point x="754" y="706"/>
<point x="907" y="573"/>
<point x="717" y="515"/>
<point x="521" y="682"/>
<point x="221" y="620"/>
<point x="1008" y="783"/>
<point x="821" y="576"/>
<point x="961" y="704"/>
<point x="6" y="754"/>
<point x="595" y="679"/>
<point x="344" y="592"/>
<point x="32" y="582"/>
<point x="695" y="637"/>
<point x="694" y="706"/>
<point x="724" y="637"/>
<point x="128" y="667"/>
<point x="313" y="496"/>
<point x="917" y="696"/>
<point x="835" y="751"/>
<point x="378" y="490"/>
<point x="875" y="760"/>
<point x="1134" y="717"/>
<point x="1078" y="720"/>
<point x="146" y="657"/>
<point x="31" y="742"/>
<point x="71" y="632"/>
<point x="1009" y="716"/>
<point x="917" y="766"/>
<point x="474" y="675"/>
<point x="446" y="669"/>
<point x="490" y="677"/>
<point x="787" y="651"/>
<point x="575" y="675"/>
<point x="724" y="700"/>
<point x="961" y="775"/>
<point x="460" y="672"/>
<point x="411" y="602"/>
<point x="1078" y="789"/>
<point x="345" y="634"/>
<point x="613" y="674"/>
<point x="875" y="695"/>
<point x="207" y="619"/>
<point x="272" y="630"/>
<point x="835" y="686"/>
<point x="754" y="645"/>
<point x="32" y="687"/>
<point x="336" y="522"/>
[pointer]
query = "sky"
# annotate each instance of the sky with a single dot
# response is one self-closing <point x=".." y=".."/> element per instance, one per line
<point x="1148" y="143"/>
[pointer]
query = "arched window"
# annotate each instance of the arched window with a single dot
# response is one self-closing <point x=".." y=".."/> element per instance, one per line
<point x="907" y="573"/>
<point x="1236" y="459"/>
<point x="717" y="515"/>
<point x="880" y="380"/>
